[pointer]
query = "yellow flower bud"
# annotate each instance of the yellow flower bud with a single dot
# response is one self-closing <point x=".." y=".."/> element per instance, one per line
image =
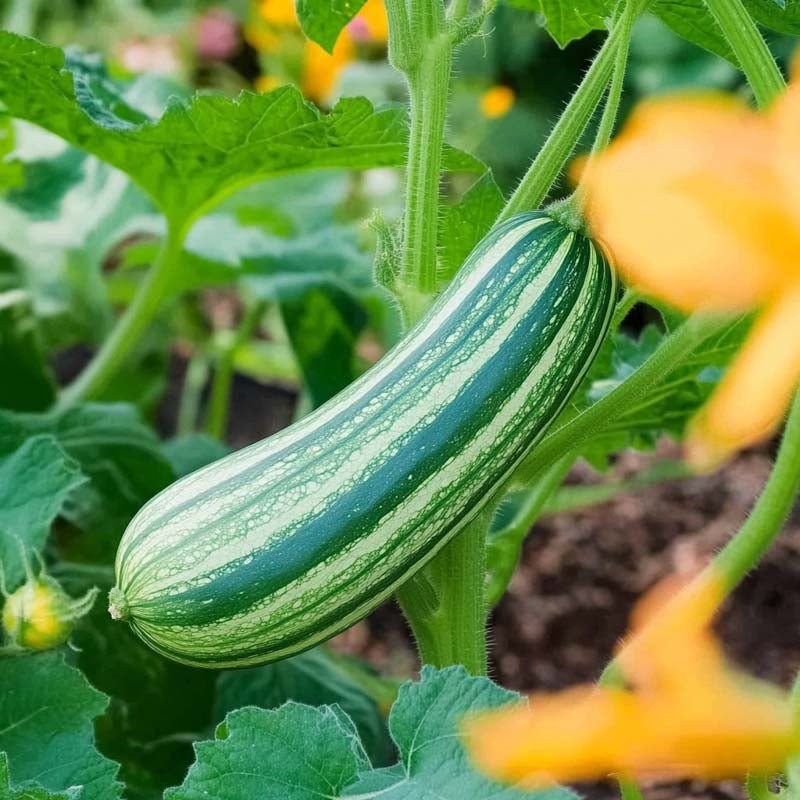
<point x="40" y="614"/>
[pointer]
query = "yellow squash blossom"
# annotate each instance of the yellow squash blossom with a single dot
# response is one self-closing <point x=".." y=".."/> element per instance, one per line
<point x="698" y="201"/>
<point x="40" y="614"/>
<point x="320" y="70"/>
<point x="687" y="713"/>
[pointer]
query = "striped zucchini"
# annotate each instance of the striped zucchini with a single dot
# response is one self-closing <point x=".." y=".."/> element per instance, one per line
<point x="287" y="542"/>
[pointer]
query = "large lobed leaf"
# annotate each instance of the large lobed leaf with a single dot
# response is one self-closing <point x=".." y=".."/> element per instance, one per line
<point x="197" y="153"/>
<point x="118" y="453"/>
<point x="313" y="678"/>
<point x="296" y="751"/>
<point x="47" y="710"/>
<point x="35" y="479"/>
<point x="569" y="20"/>
<point x="31" y="791"/>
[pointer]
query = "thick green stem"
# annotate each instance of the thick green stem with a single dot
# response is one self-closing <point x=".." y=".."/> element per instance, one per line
<point x="446" y="604"/>
<point x="219" y="404"/>
<point x="428" y="88"/>
<point x="505" y="545"/>
<point x="747" y="43"/>
<point x="559" y="145"/>
<point x="132" y="325"/>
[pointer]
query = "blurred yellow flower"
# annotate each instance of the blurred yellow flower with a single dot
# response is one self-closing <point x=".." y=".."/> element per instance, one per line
<point x="687" y="714"/>
<point x="497" y="101"/>
<point x="266" y="83"/>
<point x="698" y="201"/>
<point x="280" y="13"/>
<point x="319" y="70"/>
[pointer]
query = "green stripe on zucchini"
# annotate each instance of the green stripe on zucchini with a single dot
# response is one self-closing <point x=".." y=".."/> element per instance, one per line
<point x="287" y="542"/>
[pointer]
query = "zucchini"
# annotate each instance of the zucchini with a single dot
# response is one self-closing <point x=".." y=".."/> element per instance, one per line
<point x="291" y="540"/>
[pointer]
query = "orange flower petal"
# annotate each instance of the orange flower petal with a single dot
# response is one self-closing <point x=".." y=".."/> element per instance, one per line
<point x="589" y="734"/>
<point x="674" y="618"/>
<point x="321" y="69"/>
<point x="754" y="394"/>
<point x="687" y="201"/>
<point x="280" y="13"/>
<point x="690" y="716"/>
<point x="785" y="116"/>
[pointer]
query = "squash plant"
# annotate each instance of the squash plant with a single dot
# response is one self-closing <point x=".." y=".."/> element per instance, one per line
<point x="419" y="477"/>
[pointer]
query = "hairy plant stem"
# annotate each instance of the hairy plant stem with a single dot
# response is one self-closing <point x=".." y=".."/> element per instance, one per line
<point x="219" y="404"/>
<point x="428" y="87"/>
<point x="747" y="43"/>
<point x="609" y="118"/>
<point x="559" y="145"/>
<point x="445" y="603"/>
<point x="131" y="327"/>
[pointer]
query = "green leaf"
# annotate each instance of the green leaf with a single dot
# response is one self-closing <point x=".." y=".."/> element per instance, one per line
<point x="36" y="476"/>
<point x="189" y="453"/>
<point x="323" y="323"/>
<point x="312" y="678"/>
<point x="27" y="383"/>
<point x="777" y="15"/>
<point x="47" y="710"/>
<point x="322" y="20"/>
<point x="294" y="753"/>
<point x="464" y="224"/>
<point x="568" y="20"/>
<point x="196" y="154"/>
<point x="692" y="21"/>
<point x="30" y="792"/>
<point x="60" y="225"/>
<point x="11" y="171"/>
<point x="115" y="450"/>
<point x="298" y="752"/>
<point x="424" y="724"/>
<point x="669" y="406"/>
<point x="221" y="250"/>
<point x="157" y="707"/>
